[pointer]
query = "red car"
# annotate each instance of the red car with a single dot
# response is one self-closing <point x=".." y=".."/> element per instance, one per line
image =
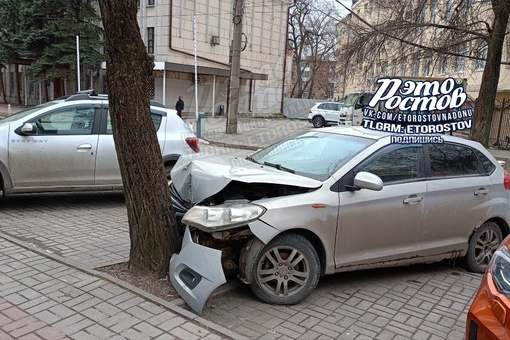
<point x="489" y="315"/>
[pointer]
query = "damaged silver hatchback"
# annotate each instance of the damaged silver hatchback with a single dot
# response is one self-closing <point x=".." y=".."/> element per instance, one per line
<point x="333" y="200"/>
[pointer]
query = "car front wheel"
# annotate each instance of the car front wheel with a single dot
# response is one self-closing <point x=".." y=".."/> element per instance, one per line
<point x="318" y="121"/>
<point x="286" y="270"/>
<point x="482" y="246"/>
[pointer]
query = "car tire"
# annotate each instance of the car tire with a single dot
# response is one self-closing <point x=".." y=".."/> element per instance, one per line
<point x="279" y="279"/>
<point x="318" y="121"/>
<point x="482" y="245"/>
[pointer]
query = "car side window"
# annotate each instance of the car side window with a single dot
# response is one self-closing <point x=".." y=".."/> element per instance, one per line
<point x="452" y="160"/>
<point x="67" y="121"/>
<point x="395" y="165"/>
<point x="156" y="119"/>
<point x="488" y="166"/>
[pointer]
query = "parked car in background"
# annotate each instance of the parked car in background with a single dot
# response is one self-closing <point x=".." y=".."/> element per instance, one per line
<point x="67" y="145"/>
<point x="333" y="200"/>
<point x="489" y="315"/>
<point x="323" y="114"/>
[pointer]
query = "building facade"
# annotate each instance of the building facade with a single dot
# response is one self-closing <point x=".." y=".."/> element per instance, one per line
<point x="188" y="37"/>
<point x="401" y="52"/>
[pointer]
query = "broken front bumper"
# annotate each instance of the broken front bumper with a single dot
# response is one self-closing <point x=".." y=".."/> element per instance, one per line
<point x="196" y="272"/>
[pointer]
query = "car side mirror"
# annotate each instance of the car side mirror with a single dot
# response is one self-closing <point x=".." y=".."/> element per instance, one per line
<point x="28" y="129"/>
<point x="367" y="180"/>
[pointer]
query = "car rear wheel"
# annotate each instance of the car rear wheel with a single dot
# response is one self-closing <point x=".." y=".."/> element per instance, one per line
<point x="286" y="270"/>
<point x="482" y="246"/>
<point x="318" y="121"/>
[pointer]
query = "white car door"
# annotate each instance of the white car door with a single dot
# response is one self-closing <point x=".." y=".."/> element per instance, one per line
<point x="332" y="112"/>
<point x="62" y="152"/>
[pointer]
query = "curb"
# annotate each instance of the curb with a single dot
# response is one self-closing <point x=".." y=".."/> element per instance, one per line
<point x="172" y="306"/>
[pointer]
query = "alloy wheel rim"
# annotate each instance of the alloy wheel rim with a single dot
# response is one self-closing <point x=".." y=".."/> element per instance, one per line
<point x="283" y="271"/>
<point x="486" y="246"/>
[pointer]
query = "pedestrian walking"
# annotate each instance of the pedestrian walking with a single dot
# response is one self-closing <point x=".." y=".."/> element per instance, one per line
<point x="179" y="106"/>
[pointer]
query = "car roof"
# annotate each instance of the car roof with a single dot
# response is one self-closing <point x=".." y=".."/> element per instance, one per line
<point x="95" y="96"/>
<point x="359" y="131"/>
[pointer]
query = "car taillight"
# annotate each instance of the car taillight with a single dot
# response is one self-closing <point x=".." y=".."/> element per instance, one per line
<point x="193" y="144"/>
<point x="310" y="111"/>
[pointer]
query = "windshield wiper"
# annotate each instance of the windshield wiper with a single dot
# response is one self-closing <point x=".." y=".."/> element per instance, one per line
<point x="251" y="159"/>
<point x="279" y="167"/>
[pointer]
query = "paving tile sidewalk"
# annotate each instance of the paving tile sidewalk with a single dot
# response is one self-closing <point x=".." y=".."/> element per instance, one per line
<point x="46" y="297"/>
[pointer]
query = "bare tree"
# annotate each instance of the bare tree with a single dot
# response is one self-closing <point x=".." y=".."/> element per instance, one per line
<point x="394" y="33"/>
<point x="312" y="37"/>
<point x="151" y="220"/>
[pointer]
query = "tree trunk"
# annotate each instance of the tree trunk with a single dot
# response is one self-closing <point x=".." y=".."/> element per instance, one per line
<point x="484" y="106"/>
<point x="17" y="84"/>
<point x="3" y="84"/>
<point x="152" y="228"/>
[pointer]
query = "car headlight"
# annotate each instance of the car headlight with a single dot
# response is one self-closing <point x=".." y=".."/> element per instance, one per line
<point x="222" y="217"/>
<point x="500" y="270"/>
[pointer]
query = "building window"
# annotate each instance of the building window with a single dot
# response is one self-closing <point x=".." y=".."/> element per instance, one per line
<point x="427" y="65"/>
<point x="11" y="82"/>
<point x="403" y="70"/>
<point x="449" y="9"/>
<point x="433" y="11"/>
<point x="150" y="40"/>
<point x="442" y="64"/>
<point x="482" y="54"/>
<point x="416" y="67"/>
<point x="469" y="5"/>
<point x="461" y="59"/>
<point x="150" y="2"/>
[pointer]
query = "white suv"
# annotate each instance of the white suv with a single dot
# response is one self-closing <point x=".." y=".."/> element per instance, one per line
<point x="67" y="145"/>
<point x="323" y="114"/>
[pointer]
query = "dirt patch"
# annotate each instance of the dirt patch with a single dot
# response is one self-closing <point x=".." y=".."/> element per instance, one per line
<point x="161" y="288"/>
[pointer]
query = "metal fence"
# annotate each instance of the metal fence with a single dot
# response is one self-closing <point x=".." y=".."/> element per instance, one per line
<point x="500" y="127"/>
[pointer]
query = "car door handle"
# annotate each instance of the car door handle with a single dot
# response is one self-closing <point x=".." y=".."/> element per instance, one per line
<point x="84" y="147"/>
<point x="481" y="192"/>
<point x="413" y="199"/>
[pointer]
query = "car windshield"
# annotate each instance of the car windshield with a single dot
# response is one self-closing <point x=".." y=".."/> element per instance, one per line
<point x="24" y="113"/>
<point x="351" y="99"/>
<point x="316" y="155"/>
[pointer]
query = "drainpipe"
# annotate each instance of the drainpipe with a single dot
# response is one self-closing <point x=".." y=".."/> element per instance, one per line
<point x="285" y="58"/>
<point x="191" y="54"/>
<point x="250" y="104"/>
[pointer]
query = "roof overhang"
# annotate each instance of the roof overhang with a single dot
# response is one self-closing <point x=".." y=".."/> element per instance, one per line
<point x="174" y="67"/>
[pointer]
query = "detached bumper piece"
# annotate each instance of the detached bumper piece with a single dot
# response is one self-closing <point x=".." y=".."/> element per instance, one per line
<point x="196" y="272"/>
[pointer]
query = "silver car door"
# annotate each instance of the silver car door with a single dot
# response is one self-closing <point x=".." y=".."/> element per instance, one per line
<point x="379" y="226"/>
<point x="459" y="194"/>
<point x="107" y="165"/>
<point x="62" y="152"/>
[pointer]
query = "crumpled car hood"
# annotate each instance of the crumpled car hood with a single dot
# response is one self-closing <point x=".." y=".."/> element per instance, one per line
<point x="197" y="178"/>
